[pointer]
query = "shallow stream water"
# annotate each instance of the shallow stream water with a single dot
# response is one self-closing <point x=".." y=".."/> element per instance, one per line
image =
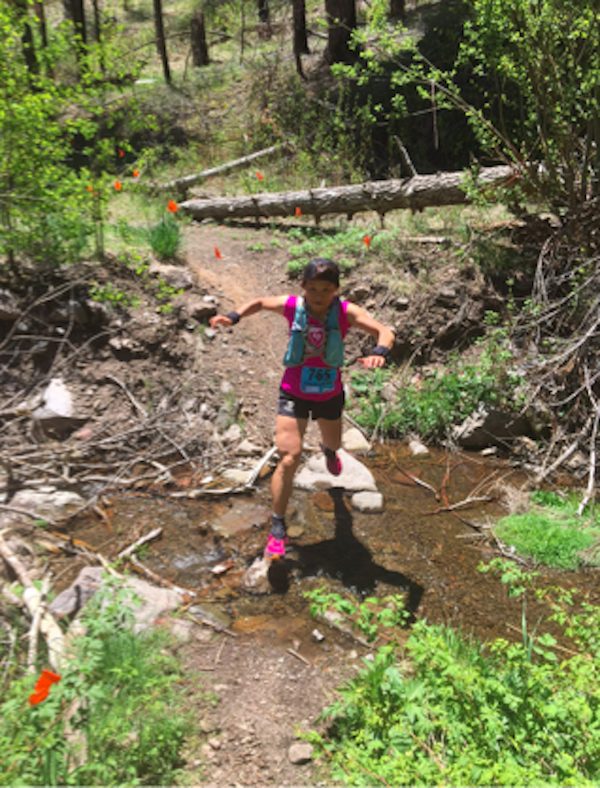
<point x="418" y="546"/>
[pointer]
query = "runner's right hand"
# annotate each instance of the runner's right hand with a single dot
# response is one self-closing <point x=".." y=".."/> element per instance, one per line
<point x="219" y="320"/>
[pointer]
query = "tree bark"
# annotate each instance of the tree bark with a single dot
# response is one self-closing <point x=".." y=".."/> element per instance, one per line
<point x="398" y="9"/>
<point x="264" y="19"/>
<point x="161" y="43"/>
<point x="199" y="45"/>
<point x="40" y="13"/>
<point x="414" y="193"/>
<point x="341" y="21"/>
<point x="76" y="12"/>
<point x="300" y="36"/>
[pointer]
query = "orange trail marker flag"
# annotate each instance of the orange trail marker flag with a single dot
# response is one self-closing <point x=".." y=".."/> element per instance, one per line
<point x="218" y="254"/>
<point x="118" y="186"/>
<point x="172" y="206"/>
<point x="42" y="686"/>
<point x="298" y="211"/>
<point x="367" y="240"/>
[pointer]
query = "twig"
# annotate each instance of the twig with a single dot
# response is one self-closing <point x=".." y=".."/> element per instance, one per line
<point x="260" y="465"/>
<point x="220" y="651"/>
<point x="32" y="515"/>
<point x="201" y="618"/>
<point x="294" y="653"/>
<point x="33" y="599"/>
<point x="142" y="540"/>
<point x="418" y="481"/>
<point x="461" y="504"/>
<point x="161" y="581"/>
<point x="34" y="629"/>
<point x="592" y="466"/>
<point x="136" y="404"/>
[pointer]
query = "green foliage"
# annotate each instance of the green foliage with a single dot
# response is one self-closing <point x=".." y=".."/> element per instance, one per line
<point x="443" y="399"/>
<point x="373" y="617"/>
<point x="119" y="693"/>
<point x="44" y="213"/>
<point x="448" y="710"/>
<point x="165" y="238"/>
<point x="109" y="294"/>
<point x="551" y="532"/>
<point x="345" y="246"/>
<point x="542" y="62"/>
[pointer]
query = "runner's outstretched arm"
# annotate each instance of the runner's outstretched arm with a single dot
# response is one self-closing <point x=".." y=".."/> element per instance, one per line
<point x="384" y="336"/>
<point x="272" y="303"/>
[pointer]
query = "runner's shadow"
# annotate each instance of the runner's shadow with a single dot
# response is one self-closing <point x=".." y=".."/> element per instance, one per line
<point x="346" y="558"/>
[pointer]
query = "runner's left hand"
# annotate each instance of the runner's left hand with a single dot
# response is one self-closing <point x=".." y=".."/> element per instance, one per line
<point x="370" y="362"/>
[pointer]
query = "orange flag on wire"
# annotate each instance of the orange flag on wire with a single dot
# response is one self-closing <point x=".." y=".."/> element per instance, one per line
<point x="218" y="254"/>
<point x="42" y="686"/>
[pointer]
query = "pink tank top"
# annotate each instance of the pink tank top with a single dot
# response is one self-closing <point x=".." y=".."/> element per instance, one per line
<point x="313" y="379"/>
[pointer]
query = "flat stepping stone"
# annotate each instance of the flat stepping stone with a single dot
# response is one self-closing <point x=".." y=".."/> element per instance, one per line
<point x="354" y="476"/>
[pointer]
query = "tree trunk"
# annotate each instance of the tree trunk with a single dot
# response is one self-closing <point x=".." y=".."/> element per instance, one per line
<point x="415" y="193"/>
<point x="398" y="10"/>
<point x="40" y="13"/>
<point x="161" y="43"/>
<point x="27" y="40"/>
<point x="199" y="45"/>
<point x="77" y="15"/>
<point x="97" y="20"/>
<point x="300" y="37"/>
<point x="264" y="19"/>
<point x="341" y="21"/>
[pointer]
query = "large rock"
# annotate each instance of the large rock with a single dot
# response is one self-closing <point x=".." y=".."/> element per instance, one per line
<point x="51" y="505"/>
<point x="148" y="602"/>
<point x="9" y="307"/>
<point x="354" y="441"/>
<point x="173" y="275"/>
<point x="55" y="415"/>
<point x="367" y="502"/>
<point x="354" y="476"/>
<point x="485" y="428"/>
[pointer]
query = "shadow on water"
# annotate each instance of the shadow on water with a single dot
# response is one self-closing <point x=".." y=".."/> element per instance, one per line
<point x="344" y="558"/>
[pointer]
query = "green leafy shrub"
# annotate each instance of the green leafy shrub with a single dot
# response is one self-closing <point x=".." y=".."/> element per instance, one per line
<point x="551" y="533"/>
<point x="446" y="709"/>
<point x="118" y="698"/>
<point x="371" y="617"/>
<point x="443" y="399"/>
<point x="165" y="238"/>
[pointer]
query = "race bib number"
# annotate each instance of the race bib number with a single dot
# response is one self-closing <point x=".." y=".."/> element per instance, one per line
<point x="317" y="380"/>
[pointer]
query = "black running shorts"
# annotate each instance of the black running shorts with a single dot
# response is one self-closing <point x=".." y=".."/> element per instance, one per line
<point x="297" y="408"/>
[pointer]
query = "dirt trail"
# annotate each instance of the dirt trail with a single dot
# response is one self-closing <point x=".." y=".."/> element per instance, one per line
<point x="259" y="688"/>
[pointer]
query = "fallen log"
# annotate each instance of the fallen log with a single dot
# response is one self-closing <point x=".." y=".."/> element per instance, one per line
<point x="416" y="193"/>
<point x="181" y="185"/>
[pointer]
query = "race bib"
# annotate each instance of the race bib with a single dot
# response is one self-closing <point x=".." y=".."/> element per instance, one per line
<point x="317" y="380"/>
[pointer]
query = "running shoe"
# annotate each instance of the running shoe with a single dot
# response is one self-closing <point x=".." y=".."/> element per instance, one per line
<point x="275" y="547"/>
<point x="332" y="461"/>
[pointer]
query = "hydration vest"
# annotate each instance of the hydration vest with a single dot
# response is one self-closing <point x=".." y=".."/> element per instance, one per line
<point x="333" y="355"/>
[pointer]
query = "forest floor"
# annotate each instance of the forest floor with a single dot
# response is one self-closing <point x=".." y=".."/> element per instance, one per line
<point x="254" y="688"/>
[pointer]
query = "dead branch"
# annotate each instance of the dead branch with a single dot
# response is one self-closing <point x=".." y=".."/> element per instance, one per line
<point x="33" y="600"/>
<point x="150" y="536"/>
<point x="181" y="185"/>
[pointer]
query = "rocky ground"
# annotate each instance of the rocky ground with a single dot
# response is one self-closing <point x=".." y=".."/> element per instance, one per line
<point x="157" y="398"/>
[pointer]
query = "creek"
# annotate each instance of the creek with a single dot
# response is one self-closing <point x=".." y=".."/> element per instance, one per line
<point x="417" y="546"/>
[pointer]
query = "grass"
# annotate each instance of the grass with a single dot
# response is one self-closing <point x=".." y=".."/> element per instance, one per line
<point x="552" y="533"/>
<point x="442" y="708"/>
<point x="116" y="717"/>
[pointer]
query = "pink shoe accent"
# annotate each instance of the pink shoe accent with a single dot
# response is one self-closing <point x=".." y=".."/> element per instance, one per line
<point x="275" y="547"/>
<point x="334" y="464"/>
